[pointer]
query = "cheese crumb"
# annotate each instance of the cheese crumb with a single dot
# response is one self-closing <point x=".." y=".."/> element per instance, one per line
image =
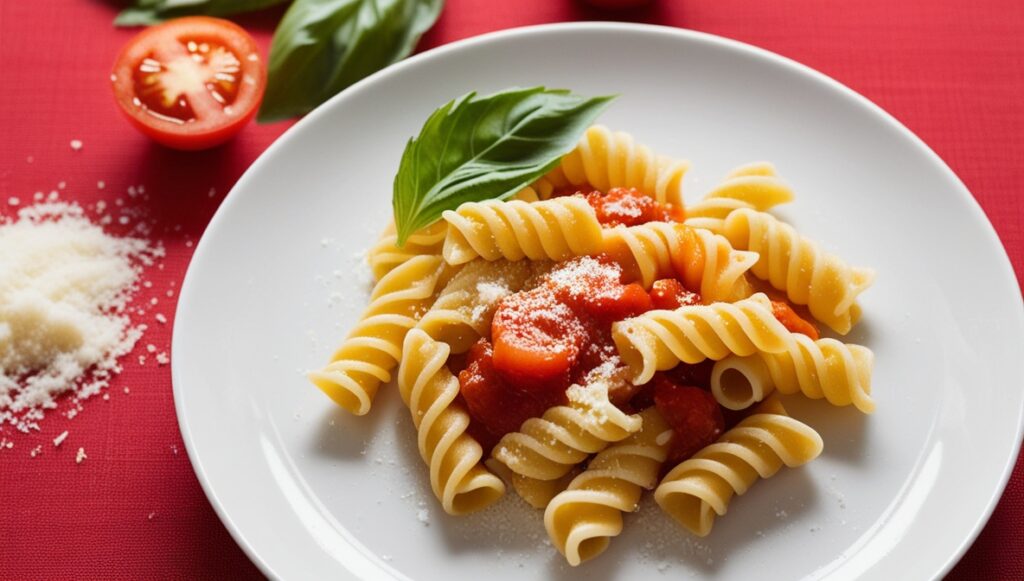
<point x="80" y="456"/>
<point x="60" y="439"/>
<point x="76" y="144"/>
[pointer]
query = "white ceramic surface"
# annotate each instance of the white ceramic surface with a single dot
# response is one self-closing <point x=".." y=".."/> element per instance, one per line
<point x="310" y="492"/>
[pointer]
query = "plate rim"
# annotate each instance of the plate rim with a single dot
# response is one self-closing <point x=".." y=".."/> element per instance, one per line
<point x="756" y="52"/>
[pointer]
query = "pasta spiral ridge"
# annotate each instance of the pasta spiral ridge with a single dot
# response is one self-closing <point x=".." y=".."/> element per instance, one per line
<point x="374" y="347"/>
<point x="555" y="229"/>
<point x="428" y="388"/>
<point x="829" y="369"/>
<point x="700" y="488"/>
<point x="794" y="264"/>
<point x="386" y="255"/>
<point x="581" y="520"/>
<point x="661" y="339"/>
<point x="604" y="159"/>
<point x="753" y="186"/>
<point x="548" y="447"/>
<point x="464" y="308"/>
<point x="707" y="262"/>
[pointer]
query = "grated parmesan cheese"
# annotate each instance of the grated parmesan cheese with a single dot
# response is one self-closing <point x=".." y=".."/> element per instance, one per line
<point x="64" y="288"/>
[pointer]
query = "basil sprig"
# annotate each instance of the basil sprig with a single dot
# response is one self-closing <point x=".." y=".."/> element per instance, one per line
<point x="322" y="46"/>
<point x="146" y="12"/>
<point x="478" y="148"/>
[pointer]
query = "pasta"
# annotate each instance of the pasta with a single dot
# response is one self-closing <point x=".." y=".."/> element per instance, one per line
<point x="581" y="520"/>
<point x="548" y="447"/>
<point x="660" y="340"/>
<point x="701" y="487"/>
<point x="463" y="310"/>
<point x="554" y="229"/>
<point x="553" y="341"/>
<point x="387" y="255"/>
<point x="457" y="477"/>
<point x="820" y="369"/>
<point x="796" y="265"/>
<point x="606" y="160"/>
<point x="753" y="186"/>
<point x="658" y="250"/>
<point x="374" y="347"/>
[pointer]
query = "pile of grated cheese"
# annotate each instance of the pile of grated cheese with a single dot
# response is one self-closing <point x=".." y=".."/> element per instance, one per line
<point x="64" y="288"/>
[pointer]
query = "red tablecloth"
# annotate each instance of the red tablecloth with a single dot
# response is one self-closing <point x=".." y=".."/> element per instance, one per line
<point x="952" y="71"/>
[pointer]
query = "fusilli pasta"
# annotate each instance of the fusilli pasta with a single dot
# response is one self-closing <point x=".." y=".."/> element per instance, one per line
<point x="796" y="265"/>
<point x="606" y="160"/>
<point x="428" y="388"/>
<point x="701" y="487"/>
<point x="581" y="520"/>
<point x="826" y="368"/>
<point x="752" y="186"/>
<point x="660" y="340"/>
<point x="387" y="255"/>
<point x="374" y="347"/>
<point x="548" y="447"/>
<point x="706" y="262"/>
<point x="555" y="229"/>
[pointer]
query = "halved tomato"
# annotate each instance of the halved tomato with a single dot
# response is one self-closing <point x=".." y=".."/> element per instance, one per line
<point x="190" y="83"/>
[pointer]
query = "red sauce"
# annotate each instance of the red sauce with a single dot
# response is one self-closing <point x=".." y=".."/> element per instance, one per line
<point x="625" y="206"/>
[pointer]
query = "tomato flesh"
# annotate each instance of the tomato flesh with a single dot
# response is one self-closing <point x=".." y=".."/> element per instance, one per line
<point x="793" y="322"/>
<point x="670" y="294"/>
<point x="625" y="206"/>
<point x="190" y="83"/>
<point x="693" y="413"/>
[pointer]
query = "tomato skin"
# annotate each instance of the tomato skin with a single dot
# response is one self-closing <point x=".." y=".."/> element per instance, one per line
<point x="793" y="322"/>
<point x="201" y="133"/>
<point x="693" y="413"/>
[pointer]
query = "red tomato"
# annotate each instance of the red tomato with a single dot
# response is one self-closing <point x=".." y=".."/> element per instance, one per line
<point x="495" y="407"/>
<point x="670" y="294"/>
<point x="537" y="339"/>
<point x="629" y="207"/>
<point x="693" y="414"/>
<point x="793" y="322"/>
<point x="190" y="83"/>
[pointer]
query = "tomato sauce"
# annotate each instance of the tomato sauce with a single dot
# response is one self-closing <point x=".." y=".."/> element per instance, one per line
<point x="625" y="206"/>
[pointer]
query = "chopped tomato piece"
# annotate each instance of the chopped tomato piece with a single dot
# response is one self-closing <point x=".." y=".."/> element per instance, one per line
<point x="537" y="339"/>
<point x="593" y="285"/>
<point x="495" y="407"/>
<point x="630" y="207"/>
<point x="793" y="322"/>
<point x="693" y="413"/>
<point x="190" y="83"/>
<point x="670" y="294"/>
<point x="696" y="374"/>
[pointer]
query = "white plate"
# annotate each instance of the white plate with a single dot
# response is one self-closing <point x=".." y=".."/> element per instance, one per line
<point x="310" y="492"/>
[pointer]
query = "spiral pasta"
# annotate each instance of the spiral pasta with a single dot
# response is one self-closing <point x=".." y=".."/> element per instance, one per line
<point x="660" y="340"/>
<point x="548" y="447"/>
<point x="374" y="347"/>
<point x="554" y="229"/>
<point x="794" y="264"/>
<point x="606" y="160"/>
<point x="581" y="520"/>
<point x="825" y="368"/>
<point x="706" y="262"/>
<point x="463" y="310"/>
<point x="386" y="255"/>
<point x="753" y="186"/>
<point x="536" y="493"/>
<point x="701" y="487"/>
<point x="428" y="388"/>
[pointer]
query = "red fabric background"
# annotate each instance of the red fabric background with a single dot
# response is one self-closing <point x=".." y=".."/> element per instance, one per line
<point x="950" y="71"/>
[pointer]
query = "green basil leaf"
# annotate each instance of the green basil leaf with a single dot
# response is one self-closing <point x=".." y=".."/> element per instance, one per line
<point x="322" y="46"/>
<point x="486" y="147"/>
<point x="146" y="12"/>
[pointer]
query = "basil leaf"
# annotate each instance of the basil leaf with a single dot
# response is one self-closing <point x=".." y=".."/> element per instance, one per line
<point x="480" y="148"/>
<point x="322" y="46"/>
<point x="146" y="12"/>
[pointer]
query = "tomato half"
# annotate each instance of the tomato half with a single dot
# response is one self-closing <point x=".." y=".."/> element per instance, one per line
<point x="190" y="83"/>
